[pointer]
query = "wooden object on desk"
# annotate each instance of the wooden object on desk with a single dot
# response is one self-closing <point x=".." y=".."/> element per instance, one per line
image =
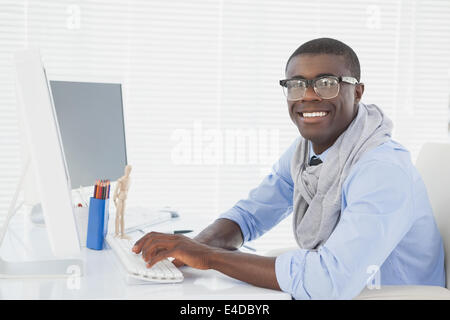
<point x="119" y="198"/>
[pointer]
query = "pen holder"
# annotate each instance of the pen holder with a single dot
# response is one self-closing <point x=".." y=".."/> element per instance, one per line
<point x="98" y="223"/>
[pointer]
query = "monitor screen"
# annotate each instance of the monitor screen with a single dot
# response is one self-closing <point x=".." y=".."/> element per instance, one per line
<point x="91" y="123"/>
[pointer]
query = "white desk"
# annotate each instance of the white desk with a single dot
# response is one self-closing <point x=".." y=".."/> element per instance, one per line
<point x="104" y="278"/>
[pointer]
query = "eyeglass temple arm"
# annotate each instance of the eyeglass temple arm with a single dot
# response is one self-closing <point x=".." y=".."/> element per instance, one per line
<point x="349" y="80"/>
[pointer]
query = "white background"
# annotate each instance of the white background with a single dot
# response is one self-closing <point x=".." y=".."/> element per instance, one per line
<point x="205" y="116"/>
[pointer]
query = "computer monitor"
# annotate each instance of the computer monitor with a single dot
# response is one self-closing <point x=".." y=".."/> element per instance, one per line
<point x="46" y="152"/>
<point x="91" y="122"/>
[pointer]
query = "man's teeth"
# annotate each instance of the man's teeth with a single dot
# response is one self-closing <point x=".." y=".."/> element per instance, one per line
<point x="314" y="114"/>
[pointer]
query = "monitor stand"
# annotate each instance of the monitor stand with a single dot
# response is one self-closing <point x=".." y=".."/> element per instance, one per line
<point x="34" y="269"/>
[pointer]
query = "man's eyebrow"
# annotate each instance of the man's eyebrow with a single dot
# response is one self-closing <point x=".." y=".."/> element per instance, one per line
<point x="317" y="76"/>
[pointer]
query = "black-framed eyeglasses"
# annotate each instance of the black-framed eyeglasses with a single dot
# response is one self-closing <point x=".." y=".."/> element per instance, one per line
<point x="326" y="87"/>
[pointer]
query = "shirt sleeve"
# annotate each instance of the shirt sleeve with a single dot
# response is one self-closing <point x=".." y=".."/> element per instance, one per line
<point x="378" y="213"/>
<point x="267" y="204"/>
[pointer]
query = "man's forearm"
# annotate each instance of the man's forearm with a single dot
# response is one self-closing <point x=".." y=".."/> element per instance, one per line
<point x="214" y="250"/>
<point x="222" y="233"/>
<point x="250" y="268"/>
<point x="226" y="235"/>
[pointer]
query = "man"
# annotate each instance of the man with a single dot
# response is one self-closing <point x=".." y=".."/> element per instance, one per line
<point x="358" y="203"/>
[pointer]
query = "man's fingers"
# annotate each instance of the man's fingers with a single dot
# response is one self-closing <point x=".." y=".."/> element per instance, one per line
<point x="156" y="246"/>
<point x="153" y="243"/>
<point x="152" y="247"/>
<point x="178" y="263"/>
<point x="162" y="254"/>
<point x="140" y="243"/>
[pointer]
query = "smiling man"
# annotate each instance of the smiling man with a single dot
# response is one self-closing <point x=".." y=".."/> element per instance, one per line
<point x="357" y="201"/>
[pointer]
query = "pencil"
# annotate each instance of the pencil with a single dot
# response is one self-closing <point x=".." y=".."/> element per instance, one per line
<point x="95" y="189"/>
<point x="99" y="189"/>
<point x="102" y="189"/>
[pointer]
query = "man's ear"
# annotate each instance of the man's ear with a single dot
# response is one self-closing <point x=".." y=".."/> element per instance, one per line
<point x="359" y="91"/>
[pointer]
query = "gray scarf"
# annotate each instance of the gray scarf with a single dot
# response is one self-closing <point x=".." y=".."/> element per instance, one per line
<point x="318" y="189"/>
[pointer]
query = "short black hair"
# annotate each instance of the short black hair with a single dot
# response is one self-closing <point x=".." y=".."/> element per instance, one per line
<point x="330" y="46"/>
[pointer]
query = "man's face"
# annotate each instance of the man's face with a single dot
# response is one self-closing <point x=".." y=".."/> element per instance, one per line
<point x="341" y="110"/>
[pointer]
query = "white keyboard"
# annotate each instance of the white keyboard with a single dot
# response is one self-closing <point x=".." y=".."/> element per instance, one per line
<point x="163" y="271"/>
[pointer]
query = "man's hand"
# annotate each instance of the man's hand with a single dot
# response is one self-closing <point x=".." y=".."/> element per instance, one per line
<point x="222" y="233"/>
<point x="156" y="246"/>
<point x="254" y="269"/>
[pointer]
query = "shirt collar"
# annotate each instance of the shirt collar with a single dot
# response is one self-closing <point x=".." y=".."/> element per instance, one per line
<point x="321" y="156"/>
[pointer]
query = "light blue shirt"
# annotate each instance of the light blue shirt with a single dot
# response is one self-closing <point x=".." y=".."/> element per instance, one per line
<point x="386" y="234"/>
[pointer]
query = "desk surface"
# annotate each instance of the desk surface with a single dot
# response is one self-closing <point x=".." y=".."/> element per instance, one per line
<point x="104" y="277"/>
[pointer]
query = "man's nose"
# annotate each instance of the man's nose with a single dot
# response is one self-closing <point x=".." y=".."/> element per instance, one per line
<point x="311" y="95"/>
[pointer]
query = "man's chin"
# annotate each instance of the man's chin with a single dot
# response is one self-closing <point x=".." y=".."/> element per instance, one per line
<point x="314" y="138"/>
<point x="308" y="135"/>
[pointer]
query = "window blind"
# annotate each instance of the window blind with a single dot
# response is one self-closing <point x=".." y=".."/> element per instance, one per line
<point x="205" y="117"/>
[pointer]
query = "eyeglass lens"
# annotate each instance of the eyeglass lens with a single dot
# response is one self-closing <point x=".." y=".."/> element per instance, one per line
<point x="326" y="88"/>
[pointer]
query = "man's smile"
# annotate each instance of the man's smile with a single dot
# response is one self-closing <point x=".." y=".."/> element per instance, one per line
<point x="313" y="117"/>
